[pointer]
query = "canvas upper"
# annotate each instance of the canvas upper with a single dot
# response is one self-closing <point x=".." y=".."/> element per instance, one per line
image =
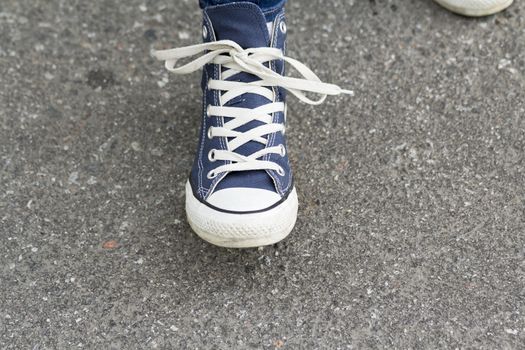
<point x="245" y="24"/>
<point x="241" y="164"/>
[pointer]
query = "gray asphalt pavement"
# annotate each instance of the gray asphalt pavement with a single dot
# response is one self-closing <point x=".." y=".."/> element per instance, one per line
<point x="411" y="229"/>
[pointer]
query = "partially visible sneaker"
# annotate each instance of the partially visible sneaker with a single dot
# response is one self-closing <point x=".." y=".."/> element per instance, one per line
<point x="241" y="193"/>
<point x="475" y="8"/>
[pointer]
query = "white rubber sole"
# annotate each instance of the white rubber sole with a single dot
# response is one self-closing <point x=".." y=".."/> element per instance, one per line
<point x="475" y="12"/>
<point x="241" y="230"/>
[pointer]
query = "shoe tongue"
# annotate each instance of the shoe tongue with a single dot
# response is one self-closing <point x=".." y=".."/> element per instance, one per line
<point x="245" y="24"/>
<point x="242" y="22"/>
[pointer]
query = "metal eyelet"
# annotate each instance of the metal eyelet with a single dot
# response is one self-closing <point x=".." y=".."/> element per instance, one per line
<point x="211" y="155"/>
<point x="282" y="27"/>
<point x="280" y="171"/>
<point x="210" y="135"/>
<point x="283" y="150"/>
<point x="204" y="32"/>
<point x="211" y="174"/>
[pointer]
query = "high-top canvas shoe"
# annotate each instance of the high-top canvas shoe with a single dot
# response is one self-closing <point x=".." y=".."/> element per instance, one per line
<point x="241" y="191"/>
<point x="475" y="8"/>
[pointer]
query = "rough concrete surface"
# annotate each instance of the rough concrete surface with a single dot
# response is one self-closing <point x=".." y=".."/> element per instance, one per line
<point x="411" y="229"/>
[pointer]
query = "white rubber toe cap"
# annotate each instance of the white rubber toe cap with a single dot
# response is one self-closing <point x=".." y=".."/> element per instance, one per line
<point x="241" y="199"/>
<point x="242" y="230"/>
<point x="475" y="7"/>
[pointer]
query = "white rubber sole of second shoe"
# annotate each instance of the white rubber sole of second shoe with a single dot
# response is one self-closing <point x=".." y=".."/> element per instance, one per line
<point x="241" y="230"/>
<point x="475" y="12"/>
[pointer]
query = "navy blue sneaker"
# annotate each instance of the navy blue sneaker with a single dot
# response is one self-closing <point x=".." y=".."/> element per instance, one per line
<point x="241" y="192"/>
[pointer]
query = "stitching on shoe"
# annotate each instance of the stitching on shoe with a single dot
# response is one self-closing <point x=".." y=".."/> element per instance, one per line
<point x="276" y="179"/>
<point x="222" y="140"/>
<point x="204" y="190"/>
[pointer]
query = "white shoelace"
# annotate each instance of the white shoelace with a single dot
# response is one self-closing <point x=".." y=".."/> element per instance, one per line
<point x="234" y="59"/>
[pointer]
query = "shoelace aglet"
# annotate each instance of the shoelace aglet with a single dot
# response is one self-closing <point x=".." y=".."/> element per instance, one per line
<point x="153" y="53"/>
<point x="347" y="92"/>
